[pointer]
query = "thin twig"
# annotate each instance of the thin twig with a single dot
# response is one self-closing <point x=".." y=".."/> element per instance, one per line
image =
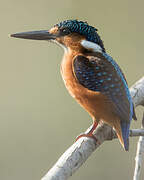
<point x="139" y="155"/>
<point x="78" y="153"/>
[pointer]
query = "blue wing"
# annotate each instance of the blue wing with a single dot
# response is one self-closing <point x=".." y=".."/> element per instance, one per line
<point x="101" y="73"/>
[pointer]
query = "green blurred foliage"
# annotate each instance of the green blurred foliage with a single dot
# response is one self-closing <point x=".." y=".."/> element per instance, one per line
<point x="38" y="118"/>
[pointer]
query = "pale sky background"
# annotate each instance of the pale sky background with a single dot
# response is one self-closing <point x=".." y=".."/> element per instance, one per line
<point x="38" y="118"/>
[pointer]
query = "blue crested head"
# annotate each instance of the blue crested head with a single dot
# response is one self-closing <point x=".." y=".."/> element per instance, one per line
<point x="84" y="29"/>
<point x="65" y="28"/>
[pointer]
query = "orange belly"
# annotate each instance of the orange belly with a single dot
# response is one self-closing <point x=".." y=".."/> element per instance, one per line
<point x="95" y="103"/>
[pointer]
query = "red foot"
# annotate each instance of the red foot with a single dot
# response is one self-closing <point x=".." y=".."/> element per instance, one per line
<point x="87" y="135"/>
<point x="90" y="133"/>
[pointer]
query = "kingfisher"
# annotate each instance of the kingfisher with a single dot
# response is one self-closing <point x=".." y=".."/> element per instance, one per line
<point x="91" y="75"/>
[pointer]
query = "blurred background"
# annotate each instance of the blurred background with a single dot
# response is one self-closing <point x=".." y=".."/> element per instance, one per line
<point x="38" y="118"/>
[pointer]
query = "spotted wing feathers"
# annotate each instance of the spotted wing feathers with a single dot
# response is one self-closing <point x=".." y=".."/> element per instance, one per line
<point x="98" y="74"/>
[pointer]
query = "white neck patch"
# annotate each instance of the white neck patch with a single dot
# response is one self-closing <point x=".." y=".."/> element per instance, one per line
<point x="91" y="46"/>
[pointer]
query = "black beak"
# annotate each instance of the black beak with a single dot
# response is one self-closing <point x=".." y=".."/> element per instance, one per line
<point x="35" y="35"/>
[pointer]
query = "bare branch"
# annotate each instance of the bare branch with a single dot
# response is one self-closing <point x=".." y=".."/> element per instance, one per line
<point x="137" y="92"/>
<point x="139" y="155"/>
<point x="78" y="153"/>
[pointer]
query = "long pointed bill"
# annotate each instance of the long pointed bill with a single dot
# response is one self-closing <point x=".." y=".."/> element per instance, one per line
<point x="35" y="35"/>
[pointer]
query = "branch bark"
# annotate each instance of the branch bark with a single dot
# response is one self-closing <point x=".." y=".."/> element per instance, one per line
<point x="139" y="155"/>
<point x="78" y="153"/>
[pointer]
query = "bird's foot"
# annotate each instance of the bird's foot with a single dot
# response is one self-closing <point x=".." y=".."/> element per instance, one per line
<point x="89" y="135"/>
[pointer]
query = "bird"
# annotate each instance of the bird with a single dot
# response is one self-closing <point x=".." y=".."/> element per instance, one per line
<point x="92" y="77"/>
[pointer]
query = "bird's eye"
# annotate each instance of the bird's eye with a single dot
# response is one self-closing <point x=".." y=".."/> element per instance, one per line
<point x="64" y="31"/>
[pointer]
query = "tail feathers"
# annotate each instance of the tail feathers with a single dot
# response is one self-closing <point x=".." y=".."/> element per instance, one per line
<point x="125" y="134"/>
<point x="122" y="130"/>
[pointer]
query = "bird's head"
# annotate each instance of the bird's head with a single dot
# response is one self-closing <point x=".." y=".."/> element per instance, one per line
<point x="72" y="34"/>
